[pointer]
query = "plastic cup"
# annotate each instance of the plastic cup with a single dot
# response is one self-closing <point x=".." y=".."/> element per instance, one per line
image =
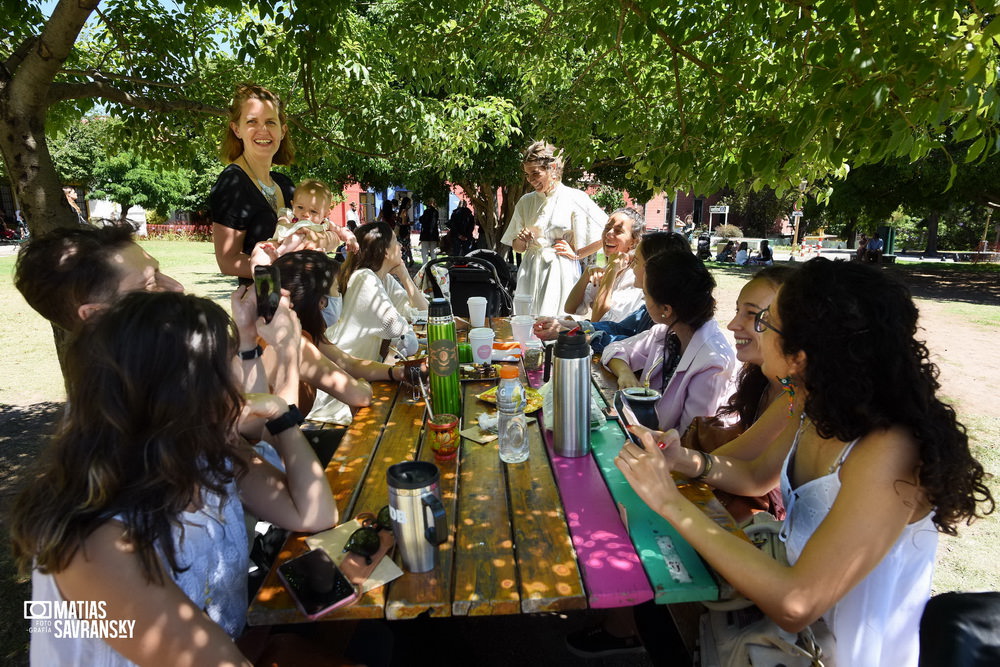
<point x="481" y="342"/>
<point x="523" y="304"/>
<point x="477" y="311"/>
<point x="520" y="327"/>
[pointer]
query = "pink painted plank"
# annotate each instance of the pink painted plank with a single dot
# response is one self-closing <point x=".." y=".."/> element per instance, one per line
<point x="612" y="572"/>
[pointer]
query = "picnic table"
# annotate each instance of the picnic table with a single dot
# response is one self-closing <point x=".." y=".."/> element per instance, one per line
<point x="543" y="535"/>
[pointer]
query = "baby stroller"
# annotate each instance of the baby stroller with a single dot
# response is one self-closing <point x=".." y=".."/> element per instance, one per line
<point x="704" y="247"/>
<point x="472" y="276"/>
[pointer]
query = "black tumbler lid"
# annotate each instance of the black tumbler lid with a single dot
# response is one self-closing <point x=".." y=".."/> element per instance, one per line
<point x="572" y="344"/>
<point x="412" y="475"/>
<point x="439" y="307"/>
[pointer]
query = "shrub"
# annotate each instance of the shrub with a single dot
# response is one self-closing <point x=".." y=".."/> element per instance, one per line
<point x="728" y="231"/>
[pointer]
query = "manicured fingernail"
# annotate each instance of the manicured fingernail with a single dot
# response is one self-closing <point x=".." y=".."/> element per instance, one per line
<point x="661" y="445"/>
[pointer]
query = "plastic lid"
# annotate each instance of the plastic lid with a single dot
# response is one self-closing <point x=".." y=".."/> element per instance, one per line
<point x="508" y="372"/>
<point x="439" y="307"/>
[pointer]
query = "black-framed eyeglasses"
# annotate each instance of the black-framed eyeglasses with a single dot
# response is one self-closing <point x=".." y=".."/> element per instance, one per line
<point x="762" y="321"/>
<point x="365" y="541"/>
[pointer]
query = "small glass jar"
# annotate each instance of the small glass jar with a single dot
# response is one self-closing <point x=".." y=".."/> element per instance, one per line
<point x="443" y="435"/>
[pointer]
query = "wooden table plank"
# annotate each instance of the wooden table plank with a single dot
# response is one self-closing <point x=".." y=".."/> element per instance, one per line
<point x="548" y="572"/>
<point x="272" y="604"/>
<point x="485" y="573"/>
<point x="417" y="592"/>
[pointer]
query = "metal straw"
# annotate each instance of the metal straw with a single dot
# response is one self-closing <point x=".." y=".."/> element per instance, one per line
<point x="427" y="400"/>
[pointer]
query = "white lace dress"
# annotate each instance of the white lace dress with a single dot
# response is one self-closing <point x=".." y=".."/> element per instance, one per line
<point x="877" y="622"/>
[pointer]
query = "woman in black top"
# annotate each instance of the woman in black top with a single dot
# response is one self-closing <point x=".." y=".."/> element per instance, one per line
<point x="247" y="196"/>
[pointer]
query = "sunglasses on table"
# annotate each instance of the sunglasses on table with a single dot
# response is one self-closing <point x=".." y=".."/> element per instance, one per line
<point x="365" y="541"/>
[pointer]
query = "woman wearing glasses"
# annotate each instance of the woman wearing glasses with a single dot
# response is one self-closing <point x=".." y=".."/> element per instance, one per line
<point x="872" y="470"/>
<point x="554" y="227"/>
<point x="685" y="355"/>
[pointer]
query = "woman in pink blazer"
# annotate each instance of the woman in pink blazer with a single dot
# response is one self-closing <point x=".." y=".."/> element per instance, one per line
<point x="685" y="355"/>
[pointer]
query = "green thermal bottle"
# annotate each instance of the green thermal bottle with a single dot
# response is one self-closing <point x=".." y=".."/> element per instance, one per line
<point x="442" y="359"/>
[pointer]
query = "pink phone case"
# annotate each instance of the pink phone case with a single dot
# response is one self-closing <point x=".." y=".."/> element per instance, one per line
<point x="326" y="610"/>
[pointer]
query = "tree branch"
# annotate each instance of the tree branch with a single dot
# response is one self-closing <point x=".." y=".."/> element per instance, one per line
<point x="674" y="46"/>
<point x="59" y="92"/>
<point x="680" y="101"/>
<point x="51" y="49"/>
<point x="98" y="75"/>
<point x="327" y="140"/>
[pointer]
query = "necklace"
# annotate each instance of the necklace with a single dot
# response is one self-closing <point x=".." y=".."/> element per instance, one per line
<point x="269" y="191"/>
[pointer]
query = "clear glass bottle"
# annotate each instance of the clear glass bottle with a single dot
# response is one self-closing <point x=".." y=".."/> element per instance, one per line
<point x="512" y="427"/>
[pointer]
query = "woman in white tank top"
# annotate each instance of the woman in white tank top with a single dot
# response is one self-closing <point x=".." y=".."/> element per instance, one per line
<point x="876" y="465"/>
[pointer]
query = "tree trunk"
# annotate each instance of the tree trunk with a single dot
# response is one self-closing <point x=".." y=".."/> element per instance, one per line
<point x="932" y="233"/>
<point x="25" y="79"/>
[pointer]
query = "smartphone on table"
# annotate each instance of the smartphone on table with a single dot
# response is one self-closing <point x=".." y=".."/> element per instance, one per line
<point x="316" y="583"/>
<point x="267" y="284"/>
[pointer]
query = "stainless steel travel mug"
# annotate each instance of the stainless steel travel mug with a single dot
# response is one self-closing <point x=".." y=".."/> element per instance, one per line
<point x="418" y="517"/>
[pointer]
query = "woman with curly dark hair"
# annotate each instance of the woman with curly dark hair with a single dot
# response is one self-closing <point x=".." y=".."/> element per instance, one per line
<point x="875" y="467"/>
<point x="138" y="502"/>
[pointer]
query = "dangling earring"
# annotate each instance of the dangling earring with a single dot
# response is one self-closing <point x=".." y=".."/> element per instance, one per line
<point x="788" y="386"/>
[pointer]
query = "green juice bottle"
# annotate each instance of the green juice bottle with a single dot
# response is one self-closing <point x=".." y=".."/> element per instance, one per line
<point x="442" y="359"/>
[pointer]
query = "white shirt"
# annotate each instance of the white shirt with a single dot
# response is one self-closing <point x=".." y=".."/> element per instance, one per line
<point x="624" y="300"/>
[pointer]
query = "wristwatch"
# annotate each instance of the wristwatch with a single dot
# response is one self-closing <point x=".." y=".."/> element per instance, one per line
<point x="286" y="421"/>
<point x="249" y="355"/>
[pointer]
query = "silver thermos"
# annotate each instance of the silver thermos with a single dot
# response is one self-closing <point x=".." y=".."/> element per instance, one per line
<point x="571" y="394"/>
<point x="418" y="518"/>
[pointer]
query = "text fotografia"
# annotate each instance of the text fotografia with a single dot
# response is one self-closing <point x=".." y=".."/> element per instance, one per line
<point x="80" y="619"/>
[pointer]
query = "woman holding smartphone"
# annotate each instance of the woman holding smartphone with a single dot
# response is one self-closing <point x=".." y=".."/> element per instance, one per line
<point x="139" y="499"/>
<point x="874" y="468"/>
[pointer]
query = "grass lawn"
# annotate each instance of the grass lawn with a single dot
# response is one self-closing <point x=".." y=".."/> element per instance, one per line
<point x="30" y="376"/>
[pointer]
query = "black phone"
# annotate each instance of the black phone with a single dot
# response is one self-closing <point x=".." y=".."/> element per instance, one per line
<point x="627" y="418"/>
<point x="316" y="583"/>
<point x="267" y="283"/>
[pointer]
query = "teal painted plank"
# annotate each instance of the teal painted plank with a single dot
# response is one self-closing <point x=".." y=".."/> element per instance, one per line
<point x="675" y="569"/>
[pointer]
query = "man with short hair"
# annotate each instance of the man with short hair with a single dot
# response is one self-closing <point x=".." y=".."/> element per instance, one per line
<point x="69" y="274"/>
<point x="352" y="217"/>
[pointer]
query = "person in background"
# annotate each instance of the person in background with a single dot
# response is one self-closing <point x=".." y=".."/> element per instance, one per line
<point x="728" y="253"/>
<point x="430" y="234"/>
<point x="403" y="230"/>
<point x="460" y="229"/>
<point x="247" y="196"/>
<point x="553" y="227"/>
<point x="764" y="256"/>
<point x="610" y="293"/>
<point x="873" y="251"/>
<point x="742" y="254"/>
<point x="602" y="333"/>
<point x="862" y="246"/>
<point x="71" y="198"/>
<point x="388" y="214"/>
<point x="353" y="221"/>
<point x="308" y="227"/>
<point x="873" y="469"/>
<point x="137" y="501"/>
<point x="380" y="300"/>
<point x="685" y="355"/>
